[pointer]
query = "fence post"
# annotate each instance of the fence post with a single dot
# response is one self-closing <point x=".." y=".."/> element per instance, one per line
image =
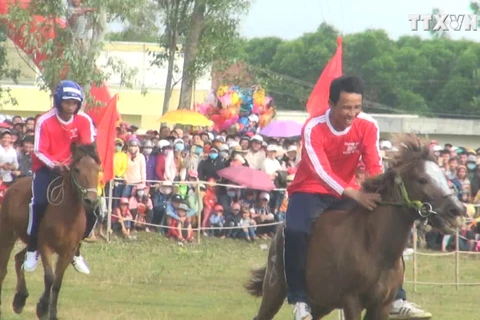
<point x="199" y="213"/>
<point x="457" y="260"/>
<point x="341" y="316"/>
<point x="110" y="209"/>
<point x="414" y="258"/>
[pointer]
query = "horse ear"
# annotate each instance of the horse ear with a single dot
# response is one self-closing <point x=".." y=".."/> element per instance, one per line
<point x="73" y="148"/>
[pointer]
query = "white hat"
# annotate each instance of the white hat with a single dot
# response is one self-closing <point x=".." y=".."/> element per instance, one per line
<point x="272" y="147"/>
<point x="163" y="143"/>
<point x="257" y="138"/>
<point x="223" y="147"/>
<point x="385" y="144"/>
<point x="253" y="118"/>
<point x="178" y="141"/>
<point x="264" y="195"/>
<point x="437" y="148"/>
<point x="233" y="144"/>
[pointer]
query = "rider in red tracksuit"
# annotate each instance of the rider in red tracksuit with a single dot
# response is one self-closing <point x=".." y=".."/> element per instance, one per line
<point x="333" y="145"/>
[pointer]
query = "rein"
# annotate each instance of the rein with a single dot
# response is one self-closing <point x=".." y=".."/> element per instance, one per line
<point x="423" y="209"/>
<point x="56" y="193"/>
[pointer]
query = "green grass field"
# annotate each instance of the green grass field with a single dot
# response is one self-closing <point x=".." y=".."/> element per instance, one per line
<point x="153" y="278"/>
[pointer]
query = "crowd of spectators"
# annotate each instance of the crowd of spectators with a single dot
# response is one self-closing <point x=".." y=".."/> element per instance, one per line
<point x="164" y="179"/>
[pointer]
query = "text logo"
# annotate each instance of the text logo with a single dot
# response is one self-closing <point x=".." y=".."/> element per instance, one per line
<point x="444" y="22"/>
<point x="351" y="147"/>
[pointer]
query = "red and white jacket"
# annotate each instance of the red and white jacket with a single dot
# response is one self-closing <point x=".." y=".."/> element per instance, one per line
<point x="330" y="158"/>
<point x="53" y="138"/>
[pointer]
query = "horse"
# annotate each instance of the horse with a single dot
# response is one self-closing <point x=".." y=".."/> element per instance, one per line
<point x="354" y="257"/>
<point x="71" y="195"/>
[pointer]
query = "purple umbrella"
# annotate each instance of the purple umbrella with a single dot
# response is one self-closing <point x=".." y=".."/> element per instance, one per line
<point x="282" y="129"/>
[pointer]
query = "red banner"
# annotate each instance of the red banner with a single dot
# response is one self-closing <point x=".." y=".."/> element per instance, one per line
<point x="318" y="101"/>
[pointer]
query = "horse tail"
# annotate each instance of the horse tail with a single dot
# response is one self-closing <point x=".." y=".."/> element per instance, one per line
<point x="254" y="286"/>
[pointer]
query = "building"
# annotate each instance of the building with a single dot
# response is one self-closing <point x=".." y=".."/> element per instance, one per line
<point x="141" y="105"/>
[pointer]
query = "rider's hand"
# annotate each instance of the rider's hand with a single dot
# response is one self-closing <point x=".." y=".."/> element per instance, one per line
<point x="367" y="200"/>
<point x="60" y="167"/>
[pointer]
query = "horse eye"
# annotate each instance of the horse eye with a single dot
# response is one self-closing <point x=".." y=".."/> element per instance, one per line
<point x="422" y="181"/>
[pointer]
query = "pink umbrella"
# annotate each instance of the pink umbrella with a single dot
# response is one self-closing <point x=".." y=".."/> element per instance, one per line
<point x="247" y="177"/>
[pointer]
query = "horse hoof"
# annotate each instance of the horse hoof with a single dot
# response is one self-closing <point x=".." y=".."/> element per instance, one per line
<point x="42" y="310"/>
<point x="19" y="302"/>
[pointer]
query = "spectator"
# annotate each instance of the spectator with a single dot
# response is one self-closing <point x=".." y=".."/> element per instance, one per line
<point x="217" y="221"/>
<point x="122" y="218"/>
<point x="232" y="220"/>
<point x="77" y="19"/>
<point x="150" y="161"/>
<point x="255" y="155"/>
<point x="8" y="158"/>
<point x="120" y="163"/>
<point x="181" y="228"/>
<point x="136" y="167"/>
<point x="207" y="168"/>
<point x="248" y="225"/>
<point x="25" y="158"/>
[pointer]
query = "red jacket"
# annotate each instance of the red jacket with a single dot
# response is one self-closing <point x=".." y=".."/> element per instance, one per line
<point x="330" y="158"/>
<point x="53" y="138"/>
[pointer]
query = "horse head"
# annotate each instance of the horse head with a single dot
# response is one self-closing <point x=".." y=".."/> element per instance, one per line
<point x="415" y="181"/>
<point x="84" y="171"/>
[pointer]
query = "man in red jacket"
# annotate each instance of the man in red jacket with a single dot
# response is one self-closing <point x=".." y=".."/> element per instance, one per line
<point x="333" y="145"/>
<point x="55" y="131"/>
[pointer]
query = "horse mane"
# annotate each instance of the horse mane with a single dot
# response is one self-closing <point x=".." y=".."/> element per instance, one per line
<point x="412" y="151"/>
<point x="81" y="150"/>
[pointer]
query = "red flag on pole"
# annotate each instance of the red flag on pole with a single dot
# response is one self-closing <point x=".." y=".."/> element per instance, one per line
<point x="106" y="133"/>
<point x="317" y="103"/>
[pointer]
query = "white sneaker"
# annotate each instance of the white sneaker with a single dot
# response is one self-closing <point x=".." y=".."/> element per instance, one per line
<point x="302" y="311"/>
<point x="404" y="310"/>
<point x="80" y="265"/>
<point x="30" y="262"/>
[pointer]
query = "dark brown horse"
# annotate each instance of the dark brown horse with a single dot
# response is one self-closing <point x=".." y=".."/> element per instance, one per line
<point x="61" y="229"/>
<point x="354" y="257"/>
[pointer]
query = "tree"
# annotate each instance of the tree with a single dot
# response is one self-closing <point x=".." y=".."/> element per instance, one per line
<point x="433" y="77"/>
<point x="212" y="36"/>
<point x="54" y="47"/>
<point x="174" y="15"/>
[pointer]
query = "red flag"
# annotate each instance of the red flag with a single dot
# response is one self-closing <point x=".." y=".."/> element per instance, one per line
<point x="106" y="134"/>
<point x="318" y="101"/>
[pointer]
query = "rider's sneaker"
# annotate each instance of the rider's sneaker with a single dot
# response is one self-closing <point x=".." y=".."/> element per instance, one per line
<point x="404" y="310"/>
<point x="302" y="311"/>
<point x="80" y="265"/>
<point x="30" y="262"/>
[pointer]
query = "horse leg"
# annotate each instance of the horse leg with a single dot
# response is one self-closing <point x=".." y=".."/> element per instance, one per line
<point x="274" y="285"/>
<point x="48" y="279"/>
<point x="7" y="241"/>
<point x="352" y="309"/>
<point x="22" y="292"/>
<point x="378" y="312"/>
<point x="62" y="264"/>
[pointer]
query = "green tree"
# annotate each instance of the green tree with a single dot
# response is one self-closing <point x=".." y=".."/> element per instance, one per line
<point x="436" y="77"/>
<point x="212" y="37"/>
<point x="65" y="58"/>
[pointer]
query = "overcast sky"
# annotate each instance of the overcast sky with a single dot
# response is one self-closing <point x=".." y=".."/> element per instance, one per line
<point x="289" y="19"/>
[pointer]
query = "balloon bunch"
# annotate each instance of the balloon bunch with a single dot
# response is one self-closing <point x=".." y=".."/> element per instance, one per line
<point x="231" y="107"/>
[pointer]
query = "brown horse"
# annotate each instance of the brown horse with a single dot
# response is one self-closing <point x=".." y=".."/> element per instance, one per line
<point x="61" y="230"/>
<point x="355" y="257"/>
